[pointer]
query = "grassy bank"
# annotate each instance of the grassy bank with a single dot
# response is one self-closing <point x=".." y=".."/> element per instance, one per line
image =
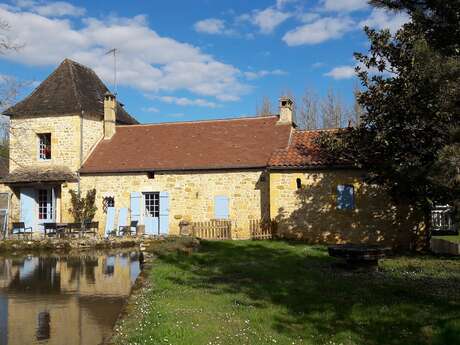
<point x="281" y="293"/>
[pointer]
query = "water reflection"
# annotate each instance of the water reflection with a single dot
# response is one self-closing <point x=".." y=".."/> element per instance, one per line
<point x="63" y="299"/>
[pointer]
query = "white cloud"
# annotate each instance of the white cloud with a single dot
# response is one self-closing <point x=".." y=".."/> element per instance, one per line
<point x="280" y="4"/>
<point x="267" y="20"/>
<point x="51" y="9"/>
<point x="342" y="72"/>
<point x="210" y="26"/>
<point x="146" y="60"/>
<point x="183" y="101"/>
<point x="344" y="5"/>
<point x="319" y="31"/>
<point x="382" y="19"/>
<point x="150" y="110"/>
<point x="318" y="64"/>
<point x="251" y="75"/>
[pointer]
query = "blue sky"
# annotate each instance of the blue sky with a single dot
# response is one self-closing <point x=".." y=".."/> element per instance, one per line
<point x="200" y="59"/>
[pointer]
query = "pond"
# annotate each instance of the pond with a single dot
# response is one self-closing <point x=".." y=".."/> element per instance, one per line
<point x="64" y="299"/>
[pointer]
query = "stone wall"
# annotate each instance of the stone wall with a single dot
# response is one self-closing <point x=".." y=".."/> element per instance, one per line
<point x="191" y="195"/>
<point x="311" y="214"/>
<point x="65" y="139"/>
<point x="93" y="132"/>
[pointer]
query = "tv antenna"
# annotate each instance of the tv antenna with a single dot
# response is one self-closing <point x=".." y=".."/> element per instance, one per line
<point x="114" y="51"/>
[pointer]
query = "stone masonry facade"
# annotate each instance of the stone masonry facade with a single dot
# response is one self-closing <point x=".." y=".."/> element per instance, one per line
<point x="310" y="212"/>
<point x="191" y="195"/>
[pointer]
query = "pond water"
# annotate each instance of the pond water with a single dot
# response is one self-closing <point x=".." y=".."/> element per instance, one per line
<point x="64" y="299"/>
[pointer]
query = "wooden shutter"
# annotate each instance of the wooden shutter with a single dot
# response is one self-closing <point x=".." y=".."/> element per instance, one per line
<point x="135" y="206"/>
<point x="110" y="220"/>
<point x="28" y="207"/>
<point x="164" y="212"/>
<point x="221" y="207"/>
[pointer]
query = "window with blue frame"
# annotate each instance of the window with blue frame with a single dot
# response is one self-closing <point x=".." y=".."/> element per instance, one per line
<point x="345" y="197"/>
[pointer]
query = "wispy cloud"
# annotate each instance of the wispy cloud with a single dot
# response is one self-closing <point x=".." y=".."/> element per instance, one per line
<point x="184" y="101"/>
<point x="319" y="31"/>
<point x="342" y="72"/>
<point x="51" y="9"/>
<point x="382" y="19"/>
<point x="150" y="110"/>
<point x="212" y="26"/>
<point x="251" y="75"/>
<point x="344" y="5"/>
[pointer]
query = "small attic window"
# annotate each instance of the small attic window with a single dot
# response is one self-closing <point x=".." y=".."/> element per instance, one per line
<point x="151" y="175"/>
<point x="44" y="146"/>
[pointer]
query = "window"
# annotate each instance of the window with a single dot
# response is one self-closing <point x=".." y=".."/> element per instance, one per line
<point x="44" y="146"/>
<point x="299" y="183"/>
<point x="151" y="175"/>
<point x="108" y="201"/>
<point x="152" y="204"/>
<point x="45" y="205"/>
<point x="345" y="197"/>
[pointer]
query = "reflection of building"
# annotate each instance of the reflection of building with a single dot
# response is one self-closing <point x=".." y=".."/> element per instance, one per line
<point x="63" y="300"/>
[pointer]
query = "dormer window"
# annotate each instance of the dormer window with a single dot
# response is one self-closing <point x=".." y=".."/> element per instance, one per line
<point x="44" y="146"/>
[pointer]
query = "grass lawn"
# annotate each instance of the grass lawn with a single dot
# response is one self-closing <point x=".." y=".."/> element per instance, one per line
<point x="455" y="238"/>
<point x="282" y="293"/>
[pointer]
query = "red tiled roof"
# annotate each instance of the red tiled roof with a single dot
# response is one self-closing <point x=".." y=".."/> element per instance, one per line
<point x="302" y="151"/>
<point x="200" y="145"/>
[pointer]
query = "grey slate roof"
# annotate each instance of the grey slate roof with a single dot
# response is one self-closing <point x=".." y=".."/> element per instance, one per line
<point x="70" y="89"/>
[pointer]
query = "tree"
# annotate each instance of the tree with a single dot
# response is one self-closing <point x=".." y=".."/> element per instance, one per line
<point x="332" y="110"/>
<point x="83" y="208"/>
<point x="264" y="109"/>
<point x="411" y="90"/>
<point x="308" y="112"/>
<point x="357" y="112"/>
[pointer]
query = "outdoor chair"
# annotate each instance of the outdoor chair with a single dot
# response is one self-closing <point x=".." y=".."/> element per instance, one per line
<point x="128" y="229"/>
<point x="19" y="229"/>
<point x="50" y="229"/>
<point x="91" y="228"/>
<point x="74" y="229"/>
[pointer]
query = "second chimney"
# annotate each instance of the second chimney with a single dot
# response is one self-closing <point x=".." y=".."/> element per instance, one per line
<point x="110" y="109"/>
<point x="286" y="111"/>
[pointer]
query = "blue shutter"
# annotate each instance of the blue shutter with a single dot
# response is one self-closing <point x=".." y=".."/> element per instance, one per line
<point x="164" y="212"/>
<point x="135" y="206"/>
<point x="27" y="200"/>
<point x="151" y="225"/>
<point x="122" y="217"/>
<point x="345" y="197"/>
<point x="221" y="206"/>
<point x="110" y="220"/>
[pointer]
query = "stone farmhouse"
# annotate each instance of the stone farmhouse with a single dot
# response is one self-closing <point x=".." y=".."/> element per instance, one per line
<point x="71" y="133"/>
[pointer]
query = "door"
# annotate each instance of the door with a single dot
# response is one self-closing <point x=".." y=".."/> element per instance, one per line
<point x="45" y="207"/>
<point x="151" y="212"/>
<point x="28" y="207"/>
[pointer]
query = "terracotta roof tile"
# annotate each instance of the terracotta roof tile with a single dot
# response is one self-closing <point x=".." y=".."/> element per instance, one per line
<point x="70" y="89"/>
<point x="302" y="151"/>
<point x="200" y="145"/>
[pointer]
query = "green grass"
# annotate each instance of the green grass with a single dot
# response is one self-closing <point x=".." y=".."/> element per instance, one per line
<point x="283" y="293"/>
<point x="455" y="239"/>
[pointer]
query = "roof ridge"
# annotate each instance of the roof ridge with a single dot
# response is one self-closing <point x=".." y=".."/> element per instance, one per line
<point x="246" y="118"/>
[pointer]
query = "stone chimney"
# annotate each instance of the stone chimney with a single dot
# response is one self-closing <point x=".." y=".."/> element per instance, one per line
<point x="110" y="109"/>
<point x="286" y="111"/>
